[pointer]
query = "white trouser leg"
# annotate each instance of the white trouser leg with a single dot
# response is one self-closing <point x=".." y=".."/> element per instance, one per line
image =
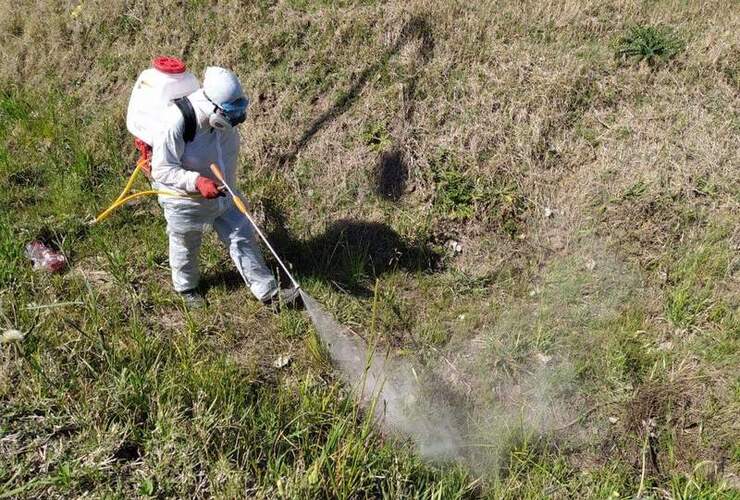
<point x="184" y="249"/>
<point x="186" y="222"/>
<point x="236" y="232"/>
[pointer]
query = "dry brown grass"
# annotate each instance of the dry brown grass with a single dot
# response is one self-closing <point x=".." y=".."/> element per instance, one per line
<point x="548" y="117"/>
<point x="577" y="155"/>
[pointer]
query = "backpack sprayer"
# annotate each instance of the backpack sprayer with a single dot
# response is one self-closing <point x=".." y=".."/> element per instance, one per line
<point x="166" y="81"/>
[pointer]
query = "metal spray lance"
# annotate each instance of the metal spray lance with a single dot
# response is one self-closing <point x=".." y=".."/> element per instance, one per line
<point x="243" y="209"/>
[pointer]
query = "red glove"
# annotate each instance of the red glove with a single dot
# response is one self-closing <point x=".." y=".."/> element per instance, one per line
<point x="207" y="187"/>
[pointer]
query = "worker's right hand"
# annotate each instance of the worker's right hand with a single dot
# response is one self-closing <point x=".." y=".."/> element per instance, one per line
<point x="208" y="187"/>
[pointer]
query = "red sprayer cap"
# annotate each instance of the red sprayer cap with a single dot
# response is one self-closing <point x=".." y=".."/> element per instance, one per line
<point x="169" y="65"/>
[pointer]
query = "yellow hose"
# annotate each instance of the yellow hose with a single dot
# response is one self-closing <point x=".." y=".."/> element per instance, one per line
<point x="104" y="215"/>
<point x="124" y="197"/>
<point x="131" y="179"/>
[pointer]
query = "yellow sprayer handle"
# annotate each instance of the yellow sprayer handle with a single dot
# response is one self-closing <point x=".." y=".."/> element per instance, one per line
<point x="240" y="205"/>
<point x="217" y="172"/>
<point x="243" y="209"/>
<point x="237" y="201"/>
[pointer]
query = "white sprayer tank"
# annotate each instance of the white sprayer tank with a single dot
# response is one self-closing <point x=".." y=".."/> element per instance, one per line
<point x="166" y="80"/>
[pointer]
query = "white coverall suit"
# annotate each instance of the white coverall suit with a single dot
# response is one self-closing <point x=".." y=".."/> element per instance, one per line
<point x="175" y="167"/>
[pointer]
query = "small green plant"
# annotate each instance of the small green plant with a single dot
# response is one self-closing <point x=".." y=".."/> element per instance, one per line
<point x="376" y="136"/>
<point x="684" y="305"/>
<point x="635" y="191"/>
<point x="456" y="191"/>
<point x="65" y="477"/>
<point x="456" y="194"/>
<point x="147" y="487"/>
<point x="650" y="43"/>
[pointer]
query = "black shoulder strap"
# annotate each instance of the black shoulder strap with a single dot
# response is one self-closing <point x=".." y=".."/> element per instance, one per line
<point x="186" y="108"/>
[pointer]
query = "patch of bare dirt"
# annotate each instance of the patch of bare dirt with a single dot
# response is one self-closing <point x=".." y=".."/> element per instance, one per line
<point x="91" y="270"/>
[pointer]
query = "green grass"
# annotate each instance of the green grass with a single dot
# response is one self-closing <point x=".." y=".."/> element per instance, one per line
<point x="554" y="338"/>
<point x="652" y="44"/>
<point x="692" y="298"/>
<point x="126" y="400"/>
<point x="195" y="414"/>
<point x="143" y="406"/>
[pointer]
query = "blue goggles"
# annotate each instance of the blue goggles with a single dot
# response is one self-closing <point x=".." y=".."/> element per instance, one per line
<point x="236" y="110"/>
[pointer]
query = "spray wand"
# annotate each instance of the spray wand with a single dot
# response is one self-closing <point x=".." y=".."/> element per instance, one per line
<point x="243" y="209"/>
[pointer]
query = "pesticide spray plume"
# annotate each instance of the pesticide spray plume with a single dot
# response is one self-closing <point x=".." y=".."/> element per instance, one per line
<point x="411" y="404"/>
<point x="389" y="387"/>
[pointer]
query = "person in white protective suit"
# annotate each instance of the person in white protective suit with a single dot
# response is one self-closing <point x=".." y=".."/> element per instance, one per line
<point x="184" y="167"/>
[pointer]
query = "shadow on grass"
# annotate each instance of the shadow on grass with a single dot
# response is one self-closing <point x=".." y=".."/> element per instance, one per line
<point x="391" y="175"/>
<point x="351" y="254"/>
<point x="348" y="254"/>
<point x="416" y="28"/>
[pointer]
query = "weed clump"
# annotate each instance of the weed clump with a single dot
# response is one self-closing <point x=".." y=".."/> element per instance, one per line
<point x="460" y="195"/>
<point x="456" y="194"/>
<point x="456" y="191"/>
<point x="376" y="136"/>
<point x="653" y="44"/>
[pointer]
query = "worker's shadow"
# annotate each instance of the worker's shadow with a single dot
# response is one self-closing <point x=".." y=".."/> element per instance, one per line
<point x="351" y="254"/>
<point x="348" y="254"/>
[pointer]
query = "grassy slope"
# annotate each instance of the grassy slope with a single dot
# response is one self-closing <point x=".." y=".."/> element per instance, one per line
<point x="625" y="299"/>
